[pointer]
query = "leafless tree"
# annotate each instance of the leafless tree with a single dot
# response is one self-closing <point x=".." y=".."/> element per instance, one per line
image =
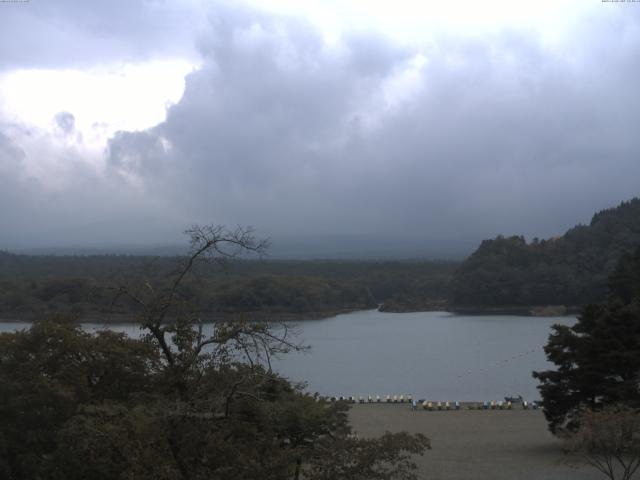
<point x="173" y="323"/>
<point x="609" y="440"/>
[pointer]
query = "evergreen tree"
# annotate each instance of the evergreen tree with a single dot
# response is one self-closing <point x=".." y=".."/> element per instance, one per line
<point x="598" y="358"/>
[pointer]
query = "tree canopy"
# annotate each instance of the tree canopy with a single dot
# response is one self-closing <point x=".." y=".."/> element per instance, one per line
<point x="568" y="270"/>
<point x="177" y="403"/>
<point x="598" y="358"/>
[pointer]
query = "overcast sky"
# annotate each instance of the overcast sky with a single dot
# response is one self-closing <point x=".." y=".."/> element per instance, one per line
<point x="126" y="121"/>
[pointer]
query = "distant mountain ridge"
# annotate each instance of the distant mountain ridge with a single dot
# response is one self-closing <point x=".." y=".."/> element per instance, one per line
<point x="300" y="247"/>
<point x="567" y="270"/>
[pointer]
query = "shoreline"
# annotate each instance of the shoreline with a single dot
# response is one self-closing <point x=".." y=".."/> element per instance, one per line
<point x="119" y="319"/>
<point x="257" y="316"/>
<point x="525" y="311"/>
<point x="528" y="311"/>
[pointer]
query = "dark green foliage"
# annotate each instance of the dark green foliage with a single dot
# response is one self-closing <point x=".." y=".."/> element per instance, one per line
<point x="178" y="404"/>
<point x="624" y="283"/>
<point x="78" y="406"/>
<point x="569" y="270"/>
<point x="297" y="294"/>
<point x="33" y="286"/>
<point x="597" y="359"/>
<point x="51" y="369"/>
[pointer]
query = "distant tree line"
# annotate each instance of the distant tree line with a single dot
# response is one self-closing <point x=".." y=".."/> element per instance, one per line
<point x="570" y="270"/>
<point x="34" y="285"/>
<point x="266" y="294"/>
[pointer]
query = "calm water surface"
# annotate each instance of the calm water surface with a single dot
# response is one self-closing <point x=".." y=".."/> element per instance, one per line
<point x="435" y="355"/>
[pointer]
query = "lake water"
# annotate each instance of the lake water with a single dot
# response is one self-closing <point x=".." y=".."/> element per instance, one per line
<point x="434" y="355"/>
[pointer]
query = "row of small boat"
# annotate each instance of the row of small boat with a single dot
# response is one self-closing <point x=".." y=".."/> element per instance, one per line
<point x="370" y="399"/>
<point x="492" y="405"/>
<point x="429" y="405"/>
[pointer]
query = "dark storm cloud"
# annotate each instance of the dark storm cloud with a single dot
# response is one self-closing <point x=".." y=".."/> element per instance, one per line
<point x="264" y="124"/>
<point x="75" y="205"/>
<point x="460" y="137"/>
<point x="502" y="135"/>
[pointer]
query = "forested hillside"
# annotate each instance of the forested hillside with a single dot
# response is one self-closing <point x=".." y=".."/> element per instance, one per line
<point x="569" y="270"/>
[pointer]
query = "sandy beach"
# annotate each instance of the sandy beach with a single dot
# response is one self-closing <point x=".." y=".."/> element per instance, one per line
<point x="475" y="444"/>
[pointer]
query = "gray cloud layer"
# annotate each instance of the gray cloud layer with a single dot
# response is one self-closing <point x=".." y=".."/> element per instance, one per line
<point x="72" y="33"/>
<point x="487" y="135"/>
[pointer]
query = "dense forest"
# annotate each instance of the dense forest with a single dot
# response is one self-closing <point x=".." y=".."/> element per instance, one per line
<point x="84" y="285"/>
<point x="177" y="403"/>
<point x="569" y="270"/>
<point x="505" y="272"/>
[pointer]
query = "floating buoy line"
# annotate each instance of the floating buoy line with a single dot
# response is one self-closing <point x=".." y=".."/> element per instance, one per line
<point x="496" y="364"/>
